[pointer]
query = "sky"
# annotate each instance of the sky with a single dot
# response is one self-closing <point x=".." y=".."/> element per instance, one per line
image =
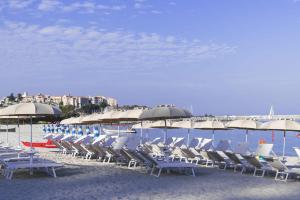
<point x="213" y="57"/>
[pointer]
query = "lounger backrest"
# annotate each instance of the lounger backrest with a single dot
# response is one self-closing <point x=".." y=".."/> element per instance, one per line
<point x="156" y="149"/>
<point x="277" y="164"/>
<point x="132" y="142"/>
<point x="297" y="150"/>
<point x="99" y="139"/>
<point x="215" y="156"/>
<point x="205" y="144"/>
<point x="194" y="151"/>
<point x="253" y="161"/>
<point x="205" y="155"/>
<point x="242" y="148"/>
<point x="170" y="140"/>
<point x="109" y="141"/>
<point x="195" y="143"/>
<point x="233" y="157"/>
<point x="120" y="143"/>
<point x="264" y="150"/>
<point x="156" y="140"/>
<point x="224" y="145"/>
<point x="178" y="142"/>
<point x="188" y="153"/>
<point x="179" y="152"/>
<point x="80" y="139"/>
<point x="148" y="158"/>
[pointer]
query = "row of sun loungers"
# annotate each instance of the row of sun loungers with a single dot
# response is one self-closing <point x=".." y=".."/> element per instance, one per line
<point x="157" y="157"/>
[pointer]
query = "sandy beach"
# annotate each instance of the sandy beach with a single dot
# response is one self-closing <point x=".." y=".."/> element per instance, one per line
<point x="82" y="179"/>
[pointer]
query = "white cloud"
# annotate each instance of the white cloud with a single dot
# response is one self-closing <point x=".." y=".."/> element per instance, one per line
<point x="18" y="4"/>
<point x="74" y="47"/>
<point x="48" y="5"/>
<point x="85" y="6"/>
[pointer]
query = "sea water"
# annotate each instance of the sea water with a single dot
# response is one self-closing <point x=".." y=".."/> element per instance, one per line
<point x="235" y="136"/>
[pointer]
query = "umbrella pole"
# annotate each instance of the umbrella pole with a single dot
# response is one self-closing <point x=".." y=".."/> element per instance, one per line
<point x="213" y="137"/>
<point x="246" y="136"/>
<point x="141" y="139"/>
<point x="165" y="134"/>
<point x="284" y="140"/>
<point x="30" y="133"/>
<point x="188" y="138"/>
<point x="7" y="133"/>
<point x="19" y="134"/>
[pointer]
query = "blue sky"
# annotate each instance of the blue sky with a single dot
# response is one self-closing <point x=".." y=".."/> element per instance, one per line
<point x="220" y="57"/>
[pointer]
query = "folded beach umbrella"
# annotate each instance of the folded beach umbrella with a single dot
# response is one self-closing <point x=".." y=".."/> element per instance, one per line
<point x="281" y="125"/>
<point x="247" y="124"/>
<point x="210" y="125"/>
<point x="165" y="112"/>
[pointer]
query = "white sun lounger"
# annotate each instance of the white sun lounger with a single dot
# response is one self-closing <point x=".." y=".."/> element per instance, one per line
<point x="161" y="164"/>
<point x="48" y="166"/>
<point x="283" y="171"/>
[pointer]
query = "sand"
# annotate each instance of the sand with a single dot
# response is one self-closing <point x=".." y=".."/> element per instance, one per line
<point x="82" y="179"/>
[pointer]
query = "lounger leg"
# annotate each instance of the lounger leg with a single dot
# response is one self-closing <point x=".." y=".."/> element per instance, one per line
<point x="243" y="169"/>
<point x="193" y="172"/>
<point x="152" y="171"/>
<point x="11" y="174"/>
<point x="53" y="172"/>
<point x="159" y="172"/>
<point x="286" y="178"/>
<point x="254" y="174"/>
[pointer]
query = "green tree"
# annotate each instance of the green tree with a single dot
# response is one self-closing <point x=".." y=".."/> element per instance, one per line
<point x="19" y="97"/>
<point x="68" y="111"/>
<point x="11" y="97"/>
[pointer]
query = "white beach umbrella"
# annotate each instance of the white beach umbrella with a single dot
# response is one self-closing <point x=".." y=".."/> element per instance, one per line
<point x="210" y="125"/>
<point x="161" y="124"/>
<point x="165" y="112"/>
<point x="247" y="124"/>
<point x="25" y="110"/>
<point x="281" y="125"/>
<point x="90" y="119"/>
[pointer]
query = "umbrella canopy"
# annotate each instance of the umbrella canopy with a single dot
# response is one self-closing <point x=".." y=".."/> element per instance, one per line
<point x="164" y="112"/>
<point x="30" y="109"/>
<point x="110" y="116"/>
<point x="244" y="124"/>
<point x="182" y="124"/>
<point x="130" y="115"/>
<point x="209" y="125"/>
<point x="76" y="120"/>
<point x="281" y="125"/>
<point x="66" y="121"/>
<point x="161" y="124"/>
<point x="146" y="125"/>
<point x="88" y="119"/>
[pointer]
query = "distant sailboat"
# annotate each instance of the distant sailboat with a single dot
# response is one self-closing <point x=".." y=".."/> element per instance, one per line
<point x="271" y="113"/>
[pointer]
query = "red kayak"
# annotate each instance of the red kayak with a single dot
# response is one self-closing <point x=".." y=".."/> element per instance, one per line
<point x="47" y="144"/>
